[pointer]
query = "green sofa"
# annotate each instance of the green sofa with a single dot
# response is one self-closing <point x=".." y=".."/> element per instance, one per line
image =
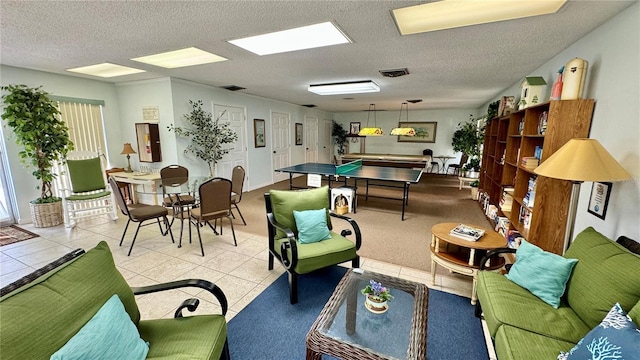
<point x="524" y="327"/>
<point x="41" y="312"/>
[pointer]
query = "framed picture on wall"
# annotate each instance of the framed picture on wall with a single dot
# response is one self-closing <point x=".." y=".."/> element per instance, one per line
<point x="258" y="131"/>
<point x="425" y="132"/>
<point x="354" y="128"/>
<point x="299" y="134"/>
<point x="599" y="199"/>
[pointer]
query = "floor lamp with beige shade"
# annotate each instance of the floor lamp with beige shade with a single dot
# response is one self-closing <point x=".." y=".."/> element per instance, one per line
<point x="581" y="160"/>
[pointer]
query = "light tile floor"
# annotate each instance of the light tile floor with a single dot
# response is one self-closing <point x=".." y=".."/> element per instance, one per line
<point x="241" y="272"/>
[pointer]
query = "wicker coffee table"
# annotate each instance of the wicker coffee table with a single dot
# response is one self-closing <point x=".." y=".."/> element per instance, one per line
<point x="347" y="330"/>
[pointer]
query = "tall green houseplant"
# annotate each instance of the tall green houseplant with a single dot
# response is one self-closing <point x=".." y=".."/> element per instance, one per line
<point x="207" y="136"/>
<point x="44" y="139"/>
<point x="468" y="139"/>
<point x="339" y="135"/>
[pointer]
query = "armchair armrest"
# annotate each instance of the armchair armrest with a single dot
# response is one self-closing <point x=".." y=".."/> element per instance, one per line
<point x="494" y="253"/>
<point x="353" y="224"/>
<point x="290" y="244"/>
<point x="190" y="304"/>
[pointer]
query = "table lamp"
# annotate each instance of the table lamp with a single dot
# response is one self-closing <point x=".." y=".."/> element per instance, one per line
<point x="128" y="150"/>
<point x="581" y="160"/>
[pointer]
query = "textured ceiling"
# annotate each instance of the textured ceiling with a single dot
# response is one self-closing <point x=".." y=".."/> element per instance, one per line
<point x="457" y="68"/>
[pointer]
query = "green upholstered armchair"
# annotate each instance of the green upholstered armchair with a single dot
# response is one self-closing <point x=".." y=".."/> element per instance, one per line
<point x="301" y="258"/>
<point x="42" y="311"/>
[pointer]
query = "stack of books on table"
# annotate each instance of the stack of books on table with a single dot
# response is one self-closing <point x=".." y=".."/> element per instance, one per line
<point x="529" y="162"/>
<point x="467" y="232"/>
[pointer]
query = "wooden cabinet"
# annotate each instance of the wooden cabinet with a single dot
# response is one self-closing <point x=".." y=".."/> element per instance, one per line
<point x="148" y="136"/>
<point x="540" y="205"/>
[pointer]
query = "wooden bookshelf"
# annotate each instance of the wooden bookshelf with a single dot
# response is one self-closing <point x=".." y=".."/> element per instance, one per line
<point x="516" y="136"/>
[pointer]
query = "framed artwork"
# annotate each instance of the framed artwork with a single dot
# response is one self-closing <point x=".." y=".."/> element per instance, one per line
<point x="599" y="199"/>
<point x="299" y="134"/>
<point x="425" y="132"/>
<point x="258" y="131"/>
<point x="354" y="128"/>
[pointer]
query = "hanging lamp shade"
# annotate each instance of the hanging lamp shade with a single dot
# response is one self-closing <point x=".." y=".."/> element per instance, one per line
<point x="371" y="131"/>
<point x="403" y="131"/>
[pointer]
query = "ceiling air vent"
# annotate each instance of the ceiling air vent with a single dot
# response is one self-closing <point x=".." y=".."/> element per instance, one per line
<point x="395" y="72"/>
<point x="309" y="105"/>
<point x="233" y="87"/>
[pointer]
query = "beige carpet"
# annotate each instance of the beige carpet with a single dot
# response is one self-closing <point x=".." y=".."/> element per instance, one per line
<point x="385" y="237"/>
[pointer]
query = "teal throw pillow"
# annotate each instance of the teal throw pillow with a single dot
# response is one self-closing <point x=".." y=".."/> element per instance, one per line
<point x="544" y="274"/>
<point x="110" y="334"/>
<point x="616" y="337"/>
<point x="312" y="225"/>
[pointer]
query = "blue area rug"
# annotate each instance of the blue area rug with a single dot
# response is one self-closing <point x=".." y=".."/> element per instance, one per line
<point x="271" y="328"/>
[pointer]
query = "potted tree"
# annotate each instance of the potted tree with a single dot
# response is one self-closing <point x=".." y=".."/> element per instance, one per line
<point x="207" y="137"/>
<point x="339" y="135"/>
<point x="44" y="139"/>
<point x="468" y="139"/>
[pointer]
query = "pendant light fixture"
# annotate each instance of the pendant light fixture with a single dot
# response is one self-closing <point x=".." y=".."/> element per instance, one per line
<point x="371" y="131"/>
<point x="403" y="131"/>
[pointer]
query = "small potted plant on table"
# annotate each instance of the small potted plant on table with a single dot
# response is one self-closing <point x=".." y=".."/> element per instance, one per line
<point x="377" y="297"/>
<point x="474" y="189"/>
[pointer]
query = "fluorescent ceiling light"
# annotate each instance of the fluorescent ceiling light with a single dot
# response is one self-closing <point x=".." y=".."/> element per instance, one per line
<point x="180" y="58"/>
<point x="106" y="70"/>
<point x="447" y="14"/>
<point x="354" y="87"/>
<point x="306" y="37"/>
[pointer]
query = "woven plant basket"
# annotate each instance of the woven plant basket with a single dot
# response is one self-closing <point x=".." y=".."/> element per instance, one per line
<point x="46" y="215"/>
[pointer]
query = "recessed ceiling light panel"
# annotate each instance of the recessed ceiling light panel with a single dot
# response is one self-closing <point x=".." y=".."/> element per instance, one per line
<point x="353" y="87"/>
<point x="180" y="58"/>
<point x="305" y="37"/>
<point x="448" y="14"/>
<point x="106" y="70"/>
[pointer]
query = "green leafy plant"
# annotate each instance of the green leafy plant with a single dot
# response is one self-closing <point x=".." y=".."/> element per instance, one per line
<point x="468" y="138"/>
<point x="475" y="184"/>
<point x="41" y="133"/>
<point x="472" y="165"/>
<point x="376" y="289"/>
<point x="207" y="137"/>
<point x="339" y="135"/>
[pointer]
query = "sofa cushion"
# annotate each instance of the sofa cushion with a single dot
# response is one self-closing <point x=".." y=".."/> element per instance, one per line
<point x="517" y="344"/>
<point x="285" y="201"/>
<point x="616" y="337"/>
<point x="312" y="225"/>
<point x="54" y="310"/>
<point x="314" y="256"/>
<point x="506" y="303"/>
<point x="634" y="313"/>
<point x="191" y="337"/>
<point x="109" y="334"/>
<point x="544" y="274"/>
<point x="603" y="276"/>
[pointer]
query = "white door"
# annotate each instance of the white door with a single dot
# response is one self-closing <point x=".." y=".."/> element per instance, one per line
<point x="324" y="143"/>
<point x="281" y="140"/>
<point x="311" y="139"/>
<point x="238" y="154"/>
<point x="6" y="211"/>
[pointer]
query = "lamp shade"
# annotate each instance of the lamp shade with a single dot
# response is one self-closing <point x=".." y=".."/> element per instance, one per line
<point x="404" y="131"/>
<point x="127" y="149"/>
<point x="583" y="160"/>
<point x="370" y="131"/>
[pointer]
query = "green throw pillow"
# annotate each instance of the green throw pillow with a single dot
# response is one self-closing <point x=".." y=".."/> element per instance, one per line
<point x="110" y="334"/>
<point x="312" y="225"/>
<point x="544" y="274"/>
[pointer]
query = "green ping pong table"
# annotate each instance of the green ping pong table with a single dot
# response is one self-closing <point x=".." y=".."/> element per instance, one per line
<point x="355" y="170"/>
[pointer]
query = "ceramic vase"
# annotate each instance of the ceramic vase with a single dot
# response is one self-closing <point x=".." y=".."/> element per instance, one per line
<point x="375" y="304"/>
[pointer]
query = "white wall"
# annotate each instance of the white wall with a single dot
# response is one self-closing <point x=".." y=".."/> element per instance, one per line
<point x="613" y="53"/>
<point x="447" y="121"/>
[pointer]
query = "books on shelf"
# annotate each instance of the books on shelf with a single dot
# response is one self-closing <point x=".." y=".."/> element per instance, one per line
<point x="529" y="162"/>
<point x="537" y="153"/>
<point x="529" y="198"/>
<point x="467" y="232"/>
<point x="514" y="239"/>
<point x="506" y="202"/>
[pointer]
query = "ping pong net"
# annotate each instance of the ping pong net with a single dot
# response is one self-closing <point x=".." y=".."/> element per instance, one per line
<point x="348" y="167"/>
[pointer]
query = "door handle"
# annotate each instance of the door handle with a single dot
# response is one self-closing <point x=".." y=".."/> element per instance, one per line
<point x="274" y="151"/>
